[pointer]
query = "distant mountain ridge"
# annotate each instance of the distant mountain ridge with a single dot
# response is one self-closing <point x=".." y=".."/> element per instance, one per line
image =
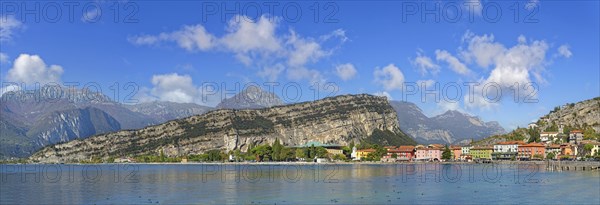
<point x="36" y="118"/>
<point x="252" y="97"/>
<point x="451" y="127"/>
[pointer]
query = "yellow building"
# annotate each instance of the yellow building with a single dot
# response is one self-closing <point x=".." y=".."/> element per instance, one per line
<point x="363" y="153"/>
<point x="481" y="152"/>
<point x="334" y="151"/>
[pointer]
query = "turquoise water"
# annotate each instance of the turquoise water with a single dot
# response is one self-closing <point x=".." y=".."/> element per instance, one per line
<point x="293" y="184"/>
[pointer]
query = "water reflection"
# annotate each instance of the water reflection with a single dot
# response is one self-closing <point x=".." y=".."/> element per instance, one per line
<point x="293" y="184"/>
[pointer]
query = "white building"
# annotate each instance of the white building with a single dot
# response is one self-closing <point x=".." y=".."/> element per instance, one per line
<point x="509" y="146"/>
<point x="532" y="125"/>
<point x="354" y="155"/>
<point x="465" y="150"/>
<point x="547" y="137"/>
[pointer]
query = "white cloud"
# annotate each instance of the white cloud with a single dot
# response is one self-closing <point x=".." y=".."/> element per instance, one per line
<point x="92" y="15"/>
<point x="512" y="66"/>
<point x="564" y="51"/>
<point x="532" y="4"/>
<point x="390" y="77"/>
<point x="4" y="58"/>
<point x="190" y="38"/>
<point x="521" y="39"/>
<point x="8" y="24"/>
<point x="303" y="50"/>
<point x="338" y="33"/>
<point x="445" y="105"/>
<point x="299" y="73"/>
<point x="174" y="87"/>
<point x="256" y="44"/>
<point x="481" y="49"/>
<point x="345" y="71"/>
<point x="427" y="83"/>
<point x="193" y="38"/>
<point x="384" y="94"/>
<point x="245" y="35"/>
<point x="515" y="65"/>
<point x="271" y="73"/>
<point x="32" y="69"/>
<point x="425" y="64"/>
<point x="455" y="64"/>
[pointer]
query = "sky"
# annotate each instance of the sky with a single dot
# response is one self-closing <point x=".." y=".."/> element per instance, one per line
<point x="506" y="61"/>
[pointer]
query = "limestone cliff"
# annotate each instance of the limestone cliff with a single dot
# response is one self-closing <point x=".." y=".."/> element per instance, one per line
<point x="340" y="119"/>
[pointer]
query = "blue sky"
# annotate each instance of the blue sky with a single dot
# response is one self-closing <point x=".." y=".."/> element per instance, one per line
<point x="172" y="52"/>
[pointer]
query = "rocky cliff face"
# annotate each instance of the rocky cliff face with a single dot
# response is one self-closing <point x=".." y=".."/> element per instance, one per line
<point x="72" y="124"/>
<point x="340" y="120"/>
<point x="451" y="127"/>
<point x="579" y="115"/>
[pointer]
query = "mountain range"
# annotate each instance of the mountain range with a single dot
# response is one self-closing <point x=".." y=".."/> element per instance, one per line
<point x="31" y="120"/>
<point x="28" y="123"/>
<point x="451" y="127"/>
<point x="335" y="120"/>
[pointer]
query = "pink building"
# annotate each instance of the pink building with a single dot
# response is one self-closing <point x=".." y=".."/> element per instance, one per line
<point x="428" y="153"/>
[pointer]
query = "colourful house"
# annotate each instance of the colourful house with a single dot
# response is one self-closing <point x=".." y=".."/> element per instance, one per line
<point x="566" y="150"/>
<point x="531" y="151"/>
<point x="481" y="152"/>
<point x="403" y="153"/>
<point x="456" y="152"/>
<point x="506" y="150"/>
<point x="429" y="153"/>
<point x="363" y="153"/>
<point x="595" y="146"/>
<point x="553" y="148"/>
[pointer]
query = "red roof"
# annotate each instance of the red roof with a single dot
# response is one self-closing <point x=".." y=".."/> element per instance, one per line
<point x="576" y="131"/>
<point x="554" y="146"/>
<point x="532" y="145"/>
<point x="407" y="148"/>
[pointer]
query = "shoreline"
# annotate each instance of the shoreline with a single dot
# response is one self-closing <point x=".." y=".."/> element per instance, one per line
<point x="308" y="163"/>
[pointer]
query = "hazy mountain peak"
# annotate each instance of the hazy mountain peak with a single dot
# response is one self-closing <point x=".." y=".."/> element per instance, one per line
<point x="452" y="126"/>
<point x="251" y="98"/>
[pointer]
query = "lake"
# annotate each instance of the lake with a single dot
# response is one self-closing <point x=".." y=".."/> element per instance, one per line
<point x="294" y="184"/>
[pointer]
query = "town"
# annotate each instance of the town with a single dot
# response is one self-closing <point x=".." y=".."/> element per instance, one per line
<point x="556" y="146"/>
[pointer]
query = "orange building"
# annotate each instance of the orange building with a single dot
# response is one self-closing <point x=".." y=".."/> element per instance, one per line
<point x="566" y="150"/>
<point x="529" y="151"/>
<point x="456" y="152"/>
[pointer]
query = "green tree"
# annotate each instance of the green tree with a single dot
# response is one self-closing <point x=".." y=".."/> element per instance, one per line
<point x="301" y="153"/>
<point x="277" y="147"/>
<point x="590" y="134"/>
<point x="262" y="152"/>
<point x="346" y="150"/>
<point x="534" y="135"/>
<point x="394" y="155"/>
<point x="321" y="152"/>
<point x="339" y="157"/>
<point x="446" y="154"/>
<point x="162" y="156"/>
<point x="550" y="155"/>
<point x="312" y="152"/>
<point x="588" y="148"/>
